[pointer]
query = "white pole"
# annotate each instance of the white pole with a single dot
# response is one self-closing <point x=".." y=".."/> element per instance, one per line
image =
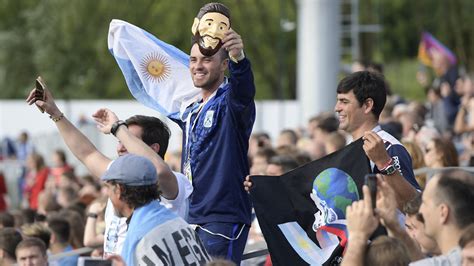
<point x="318" y="55"/>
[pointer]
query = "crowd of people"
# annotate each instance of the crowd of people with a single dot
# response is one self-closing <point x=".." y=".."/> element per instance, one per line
<point x="140" y="209"/>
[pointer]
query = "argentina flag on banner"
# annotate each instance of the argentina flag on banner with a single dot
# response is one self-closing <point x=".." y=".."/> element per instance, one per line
<point x="157" y="74"/>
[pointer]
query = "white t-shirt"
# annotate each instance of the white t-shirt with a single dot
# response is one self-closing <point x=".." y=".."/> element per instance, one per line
<point x="116" y="227"/>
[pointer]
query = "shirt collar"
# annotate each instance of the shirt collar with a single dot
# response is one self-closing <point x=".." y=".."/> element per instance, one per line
<point x="377" y="128"/>
<point x="226" y="80"/>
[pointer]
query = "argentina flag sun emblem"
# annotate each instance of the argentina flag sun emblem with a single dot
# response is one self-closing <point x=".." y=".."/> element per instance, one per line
<point x="155" y="67"/>
<point x="208" y="118"/>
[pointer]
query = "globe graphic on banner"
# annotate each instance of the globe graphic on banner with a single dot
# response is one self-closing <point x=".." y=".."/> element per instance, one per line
<point x="337" y="189"/>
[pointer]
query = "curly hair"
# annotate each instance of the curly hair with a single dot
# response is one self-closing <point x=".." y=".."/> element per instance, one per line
<point x="137" y="196"/>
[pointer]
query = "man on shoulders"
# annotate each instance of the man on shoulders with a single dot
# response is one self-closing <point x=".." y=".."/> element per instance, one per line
<point x="216" y="133"/>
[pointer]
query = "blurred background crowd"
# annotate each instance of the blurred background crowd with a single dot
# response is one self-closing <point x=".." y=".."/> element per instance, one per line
<point x="430" y="108"/>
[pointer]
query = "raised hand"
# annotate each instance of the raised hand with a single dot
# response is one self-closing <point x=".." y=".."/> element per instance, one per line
<point x="105" y="118"/>
<point x="233" y="43"/>
<point x="48" y="105"/>
<point x="386" y="204"/>
<point x="361" y="221"/>
<point x="375" y="149"/>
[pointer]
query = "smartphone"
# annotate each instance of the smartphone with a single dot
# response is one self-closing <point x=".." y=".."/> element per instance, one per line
<point x="89" y="261"/>
<point x="371" y="182"/>
<point x="39" y="91"/>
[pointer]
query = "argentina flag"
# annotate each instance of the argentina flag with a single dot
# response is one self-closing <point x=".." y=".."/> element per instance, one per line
<point x="157" y="74"/>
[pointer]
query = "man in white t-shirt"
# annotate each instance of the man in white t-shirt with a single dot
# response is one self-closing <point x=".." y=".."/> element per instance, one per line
<point x="155" y="134"/>
<point x="141" y="135"/>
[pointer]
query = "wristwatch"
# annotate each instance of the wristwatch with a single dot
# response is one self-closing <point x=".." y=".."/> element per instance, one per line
<point x="389" y="169"/>
<point x="116" y="125"/>
<point x="92" y="215"/>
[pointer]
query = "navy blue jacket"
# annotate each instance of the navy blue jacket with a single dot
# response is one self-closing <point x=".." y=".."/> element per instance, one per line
<point x="218" y="147"/>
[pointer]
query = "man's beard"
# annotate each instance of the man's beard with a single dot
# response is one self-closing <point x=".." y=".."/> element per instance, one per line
<point x="206" y="50"/>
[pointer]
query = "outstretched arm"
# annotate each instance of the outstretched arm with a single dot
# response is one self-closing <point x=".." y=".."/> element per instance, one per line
<point x="79" y="144"/>
<point x="167" y="180"/>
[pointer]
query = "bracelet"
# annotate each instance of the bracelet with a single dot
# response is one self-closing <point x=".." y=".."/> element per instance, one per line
<point x="56" y="119"/>
<point x="116" y="125"/>
<point x="92" y="215"/>
<point x="386" y="165"/>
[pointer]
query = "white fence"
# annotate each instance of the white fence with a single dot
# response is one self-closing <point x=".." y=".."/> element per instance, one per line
<point x="16" y="116"/>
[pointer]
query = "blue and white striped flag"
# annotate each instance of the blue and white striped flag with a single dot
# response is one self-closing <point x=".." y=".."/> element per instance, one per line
<point x="156" y="73"/>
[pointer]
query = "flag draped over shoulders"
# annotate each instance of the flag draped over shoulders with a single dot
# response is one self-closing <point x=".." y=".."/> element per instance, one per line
<point x="157" y="73"/>
<point x="302" y="213"/>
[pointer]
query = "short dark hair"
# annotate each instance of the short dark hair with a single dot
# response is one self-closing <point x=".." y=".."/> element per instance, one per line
<point x="9" y="239"/>
<point x="153" y="131"/>
<point x="467" y="236"/>
<point x="261" y="137"/>
<point x="6" y="219"/>
<point x="291" y="133"/>
<point x="32" y="242"/>
<point x="60" y="228"/>
<point x="286" y="162"/>
<point x="266" y="152"/>
<point x="456" y="189"/>
<point x="302" y="158"/>
<point x="137" y="196"/>
<point x="28" y="216"/>
<point x="62" y="155"/>
<point x="413" y="206"/>
<point x="328" y="124"/>
<point x="365" y="85"/>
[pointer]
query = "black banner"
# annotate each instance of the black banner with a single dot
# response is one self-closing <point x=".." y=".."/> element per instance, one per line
<point x="302" y="213"/>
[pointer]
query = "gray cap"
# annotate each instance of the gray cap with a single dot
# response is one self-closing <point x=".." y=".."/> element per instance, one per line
<point x="131" y="170"/>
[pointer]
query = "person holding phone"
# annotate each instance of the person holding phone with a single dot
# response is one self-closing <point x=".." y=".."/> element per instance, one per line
<point x="362" y="221"/>
<point x="142" y="135"/>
